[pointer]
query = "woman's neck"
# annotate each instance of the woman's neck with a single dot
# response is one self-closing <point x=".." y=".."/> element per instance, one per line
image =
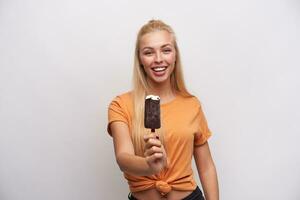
<point x="163" y="90"/>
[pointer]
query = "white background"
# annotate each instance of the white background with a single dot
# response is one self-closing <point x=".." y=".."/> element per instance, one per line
<point x="62" y="62"/>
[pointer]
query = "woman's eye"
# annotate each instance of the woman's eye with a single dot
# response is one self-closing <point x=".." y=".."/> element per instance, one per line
<point x="147" y="53"/>
<point x="167" y="50"/>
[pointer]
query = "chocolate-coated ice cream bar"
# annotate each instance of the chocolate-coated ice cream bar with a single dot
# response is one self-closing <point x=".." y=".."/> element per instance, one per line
<point x="152" y="112"/>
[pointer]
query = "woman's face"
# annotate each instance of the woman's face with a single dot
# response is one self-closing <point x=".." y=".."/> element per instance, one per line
<point x="157" y="55"/>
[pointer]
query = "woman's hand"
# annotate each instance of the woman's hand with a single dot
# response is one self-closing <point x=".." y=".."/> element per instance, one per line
<point x="155" y="153"/>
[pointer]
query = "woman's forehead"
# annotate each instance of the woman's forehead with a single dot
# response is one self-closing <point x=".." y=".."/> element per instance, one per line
<point x="156" y="39"/>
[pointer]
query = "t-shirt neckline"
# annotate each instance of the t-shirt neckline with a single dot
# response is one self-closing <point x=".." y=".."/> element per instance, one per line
<point x="170" y="102"/>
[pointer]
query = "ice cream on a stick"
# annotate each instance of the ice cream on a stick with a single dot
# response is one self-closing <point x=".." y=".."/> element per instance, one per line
<point x="152" y="112"/>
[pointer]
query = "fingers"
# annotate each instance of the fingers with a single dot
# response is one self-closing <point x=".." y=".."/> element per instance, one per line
<point x="150" y="140"/>
<point x="150" y="136"/>
<point x="152" y="158"/>
<point x="153" y="150"/>
<point x="151" y="143"/>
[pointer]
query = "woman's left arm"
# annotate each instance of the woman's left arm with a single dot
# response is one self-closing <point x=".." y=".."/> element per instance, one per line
<point x="207" y="171"/>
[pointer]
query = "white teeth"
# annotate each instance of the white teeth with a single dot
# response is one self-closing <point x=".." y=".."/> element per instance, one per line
<point x="159" y="69"/>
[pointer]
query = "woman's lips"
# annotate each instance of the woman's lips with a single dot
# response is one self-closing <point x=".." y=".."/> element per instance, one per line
<point x="159" y="71"/>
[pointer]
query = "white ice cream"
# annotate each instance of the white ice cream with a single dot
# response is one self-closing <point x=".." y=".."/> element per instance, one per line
<point x="153" y="97"/>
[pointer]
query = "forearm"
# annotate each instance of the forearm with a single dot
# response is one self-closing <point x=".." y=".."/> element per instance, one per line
<point x="209" y="183"/>
<point x="133" y="164"/>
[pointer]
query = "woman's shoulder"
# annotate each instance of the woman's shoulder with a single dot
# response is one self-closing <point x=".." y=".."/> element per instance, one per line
<point x="123" y="99"/>
<point x="126" y="95"/>
<point x="190" y="99"/>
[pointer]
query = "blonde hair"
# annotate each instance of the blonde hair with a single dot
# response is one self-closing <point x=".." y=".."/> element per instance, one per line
<point x="141" y="86"/>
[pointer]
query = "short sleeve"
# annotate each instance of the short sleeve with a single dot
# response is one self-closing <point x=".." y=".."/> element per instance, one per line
<point x="117" y="112"/>
<point x="203" y="132"/>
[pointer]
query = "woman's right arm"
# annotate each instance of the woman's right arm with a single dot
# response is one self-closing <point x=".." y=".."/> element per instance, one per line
<point x="124" y="152"/>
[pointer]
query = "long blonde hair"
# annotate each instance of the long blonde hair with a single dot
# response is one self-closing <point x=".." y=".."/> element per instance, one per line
<point x="141" y="86"/>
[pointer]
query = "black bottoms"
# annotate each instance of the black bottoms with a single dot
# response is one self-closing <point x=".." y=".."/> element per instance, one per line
<point x="195" y="195"/>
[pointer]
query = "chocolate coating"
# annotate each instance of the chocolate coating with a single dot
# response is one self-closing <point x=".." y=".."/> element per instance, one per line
<point x="152" y="113"/>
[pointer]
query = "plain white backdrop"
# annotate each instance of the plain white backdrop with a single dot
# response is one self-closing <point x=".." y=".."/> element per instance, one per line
<point x="62" y="62"/>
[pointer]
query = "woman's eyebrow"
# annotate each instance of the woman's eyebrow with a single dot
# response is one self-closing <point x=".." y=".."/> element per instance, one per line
<point x="160" y="47"/>
<point x="146" y="48"/>
<point x="166" y="45"/>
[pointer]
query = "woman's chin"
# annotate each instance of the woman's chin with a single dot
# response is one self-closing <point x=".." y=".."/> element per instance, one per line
<point x="159" y="80"/>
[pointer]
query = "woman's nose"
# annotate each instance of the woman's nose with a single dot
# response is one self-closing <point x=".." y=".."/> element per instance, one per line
<point x="158" y="57"/>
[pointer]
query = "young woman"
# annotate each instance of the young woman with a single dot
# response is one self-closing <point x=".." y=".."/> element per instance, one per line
<point x="158" y="165"/>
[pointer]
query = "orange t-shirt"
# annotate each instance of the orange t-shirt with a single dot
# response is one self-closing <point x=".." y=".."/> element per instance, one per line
<point x="184" y="126"/>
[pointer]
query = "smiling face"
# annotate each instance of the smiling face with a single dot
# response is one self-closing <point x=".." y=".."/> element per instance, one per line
<point x="157" y="55"/>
